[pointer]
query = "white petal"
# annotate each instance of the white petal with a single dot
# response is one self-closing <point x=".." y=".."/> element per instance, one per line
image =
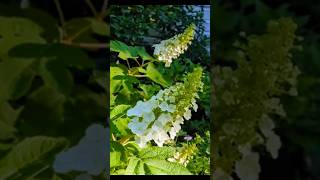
<point x="164" y="106"/>
<point x="136" y="110"/>
<point x="137" y="128"/>
<point x="164" y="118"/>
<point x="187" y="115"/>
<point x="141" y="142"/>
<point x="148" y="117"/>
<point x="195" y="107"/>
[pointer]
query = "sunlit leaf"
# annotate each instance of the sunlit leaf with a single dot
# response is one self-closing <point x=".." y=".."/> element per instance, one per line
<point x="154" y="74"/>
<point x="34" y="152"/>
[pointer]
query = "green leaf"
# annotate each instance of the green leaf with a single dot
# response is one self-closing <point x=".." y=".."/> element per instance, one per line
<point x="122" y="126"/>
<point x="54" y="60"/>
<point x="114" y="83"/>
<point x="65" y="55"/>
<point x="163" y="167"/>
<point x="7" y="131"/>
<point x="133" y="162"/>
<point x="143" y="53"/>
<point x="149" y="90"/>
<point x="162" y="153"/>
<point x="17" y="31"/>
<point x="132" y="147"/>
<point x="154" y="74"/>
<point x="112" y="100"/>
<point x="5" y="147"/>
<point x="100" y="27"/>
<point x="118" y="111"/>
<point x="56" y="177"/>
<point x="140" y="168"/>
<point x="125" y="52"/>
<point x="43" y="112"/>
<point x="55" y="75"/>
<point x="128" y="94"/>
<point x="10" y="74"/>
<point x="29" y="156"/>
<point x="116" y="154"/>
<point x="84" y="24"/>
<point x="100" y="77"/>
<point x="23" y="84"/>
<point x="8" y="114"/>
<point x="141" y="70"/>
<point x="119" y="172"/>
<point x="8" y="117"/>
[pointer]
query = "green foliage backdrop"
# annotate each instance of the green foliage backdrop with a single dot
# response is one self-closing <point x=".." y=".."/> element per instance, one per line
<point x="52" y="88"/>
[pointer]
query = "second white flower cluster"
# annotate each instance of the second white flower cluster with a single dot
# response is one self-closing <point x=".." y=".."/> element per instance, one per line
<point x="172" y="48"/>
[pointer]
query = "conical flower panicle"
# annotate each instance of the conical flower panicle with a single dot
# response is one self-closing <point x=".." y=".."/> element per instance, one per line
<point x="172" y="48"/>
<point x="160" y="118"/>
<point x="185" y="154"/>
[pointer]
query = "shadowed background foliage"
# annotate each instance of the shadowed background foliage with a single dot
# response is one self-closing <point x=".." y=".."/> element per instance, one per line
<point x="299" y="133"/>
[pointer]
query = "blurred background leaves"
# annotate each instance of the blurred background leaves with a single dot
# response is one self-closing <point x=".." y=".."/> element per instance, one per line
<point x="53" y="72"/>
<point x="298" y="156"/>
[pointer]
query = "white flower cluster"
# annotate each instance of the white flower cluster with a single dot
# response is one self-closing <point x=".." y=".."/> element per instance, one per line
<point x="185" y="155"/>
<point x="160" y="118"/>
<point x="172" y="48"/>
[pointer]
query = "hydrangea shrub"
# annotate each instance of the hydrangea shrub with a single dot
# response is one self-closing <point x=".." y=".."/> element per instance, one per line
<point x="246" y="100"/>
<point x="148" y="109"/>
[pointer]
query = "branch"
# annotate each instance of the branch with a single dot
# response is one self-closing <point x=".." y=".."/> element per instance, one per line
<point x="137" y="62"/>
<point x="91" y="6"/>
<point x="138" y="75"/>
<point x="104" y="8"/>
<point x="83" y="30"/>
<point x="87" y="45"/>
<point x="61" y="16"/>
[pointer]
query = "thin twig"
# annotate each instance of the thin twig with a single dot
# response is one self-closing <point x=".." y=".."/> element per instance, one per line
<point x="125" y="139"/>
<point x="38" y="172"/>
<point x="84" y="29"/>
<point x="113" y="137"/>
<point x="104" y="8"/>
<point x="91" y="6"/>
<point x="137" y="62"/>
<point x="145" y="64"/>
<point x="87" y="45"/>
<point x="128" y="64"/>
<point x="61" y="16"/>
<point x="137" y="75"/>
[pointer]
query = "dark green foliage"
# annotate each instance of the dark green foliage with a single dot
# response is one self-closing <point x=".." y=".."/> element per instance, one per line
<point x="246" y="98"/>
<point x="51" y="89"/>
<point x="148" y="25"/>
<point x="299" y="133"/>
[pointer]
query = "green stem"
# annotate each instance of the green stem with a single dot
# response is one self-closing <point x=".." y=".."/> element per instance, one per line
<point x="125" y="139"/>
<point x="128" y="64"/>
<point x="139" y="75"/>
<point x="84" y="29"/>
<point x="87" y="45"/>
<point x="113" y="137"/>
<point x="137" y="62"/>
<point x="145" y="64"/>
<point x="38" y="172"/>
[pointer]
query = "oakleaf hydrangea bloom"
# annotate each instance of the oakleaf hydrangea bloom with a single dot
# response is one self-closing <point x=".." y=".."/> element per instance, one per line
<point x="172" y="48"/>
<point x="185" y="154"/>
<point x="160" y="118"/>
